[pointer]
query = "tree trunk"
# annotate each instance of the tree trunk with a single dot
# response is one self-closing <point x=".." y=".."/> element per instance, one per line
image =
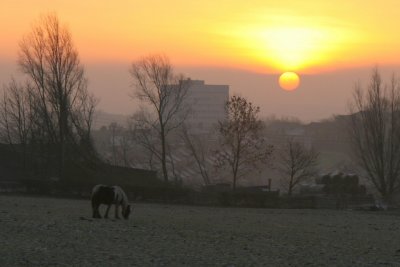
<point x="163" y="155"/>
<point x="234" y="183"/>
<point x="63" y="126"/>
<point x="290" y="190"/>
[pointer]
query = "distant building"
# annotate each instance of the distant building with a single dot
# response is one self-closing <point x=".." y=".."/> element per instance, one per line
<point x="207" y="105"/>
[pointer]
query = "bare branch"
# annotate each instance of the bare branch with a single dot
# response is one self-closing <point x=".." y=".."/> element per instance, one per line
<point x="156" y="85"/>
<point x="374" y="131"/>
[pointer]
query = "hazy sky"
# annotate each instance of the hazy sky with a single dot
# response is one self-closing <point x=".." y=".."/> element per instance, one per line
<point x="245" y="44"/>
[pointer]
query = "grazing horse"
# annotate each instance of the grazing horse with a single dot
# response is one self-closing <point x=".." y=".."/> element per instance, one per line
<point x="109" y="195"/>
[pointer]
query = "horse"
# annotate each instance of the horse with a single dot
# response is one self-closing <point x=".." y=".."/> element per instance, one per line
<point x="109" y="195"/>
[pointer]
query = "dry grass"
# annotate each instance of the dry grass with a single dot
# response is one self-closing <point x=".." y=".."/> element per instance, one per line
<point x="60" y="232"/>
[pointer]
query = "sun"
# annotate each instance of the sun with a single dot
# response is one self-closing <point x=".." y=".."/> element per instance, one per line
<point x="289" y="81"/>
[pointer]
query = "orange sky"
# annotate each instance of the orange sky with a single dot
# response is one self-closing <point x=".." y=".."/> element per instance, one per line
<point x="238" y="40"/>
<point x="271" y="35"/>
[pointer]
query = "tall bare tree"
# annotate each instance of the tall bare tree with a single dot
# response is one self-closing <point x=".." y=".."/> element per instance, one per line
<point x="375" y="132"/>
<point x="16" y="116"/>
<point x="199" y="149"/>
<point x="164" y="92"/>
<point x="296" y="163"/>
<point x="147" y="137"/>
<point x="120" y="139"/>
<point x="58" y="87"/>
<point x="83" y="116"/>
<point x="242" y="146"/>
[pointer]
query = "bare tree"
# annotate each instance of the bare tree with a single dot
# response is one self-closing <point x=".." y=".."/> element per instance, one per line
<point x="146" y="136"/>
<point x="126" y="144"/>
<point x="120" y="139"/>
<point x="375" y="133"/>
<point x="164" y="92"/>
<point x="83" y="116"/>
<point x="113" y="128"/>
<point x="63" y="107"/>
<point x="296" y="163"/>
<point x="199" y="151"/>
<point x="14" y="113"/>
<point x="243" y="148"/>
<point x="15" y="116"/>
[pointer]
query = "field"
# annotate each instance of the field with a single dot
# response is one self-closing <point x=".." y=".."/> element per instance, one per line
<point x="60" y="232"/>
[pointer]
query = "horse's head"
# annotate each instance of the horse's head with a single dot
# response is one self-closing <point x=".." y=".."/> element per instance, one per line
<point x="126" y="212"/>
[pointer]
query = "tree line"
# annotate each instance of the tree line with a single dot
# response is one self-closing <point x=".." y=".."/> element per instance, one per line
<point x="48" y="117"/>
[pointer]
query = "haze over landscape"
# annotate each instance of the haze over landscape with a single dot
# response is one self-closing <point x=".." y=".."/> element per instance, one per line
<point x="245" y="45"/>
<point x="245" y="164"/>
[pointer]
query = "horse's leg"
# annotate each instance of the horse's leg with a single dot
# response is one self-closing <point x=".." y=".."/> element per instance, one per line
<point x="117" y="211"/>
<point x="94" y="212"/>
<point x="107" y="210"/>
<point x="98" y="211"/>
<point x="95" y="208"/>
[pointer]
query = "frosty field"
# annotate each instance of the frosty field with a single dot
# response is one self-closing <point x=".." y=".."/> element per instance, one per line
<point x="60" y="232"/>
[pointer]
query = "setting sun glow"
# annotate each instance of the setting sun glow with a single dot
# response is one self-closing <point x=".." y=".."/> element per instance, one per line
<point x="289" y="81"/>
<point x="306" y="37"/>
<point x="294" y="42"/>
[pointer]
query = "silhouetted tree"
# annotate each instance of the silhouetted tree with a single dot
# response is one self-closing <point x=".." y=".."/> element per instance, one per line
<point x="242" y="147"/>
<point x="199" y="149"/>
<point x="113" y="129"/>
<point x="146" y="137"/>
<point x="16" y="116"/>
<point x="296" y="163"/>
<point x="55" y="100"/>
<point x="375" y="132"/>
<point x="164" y="92"/>
<point x="120" y="138"/>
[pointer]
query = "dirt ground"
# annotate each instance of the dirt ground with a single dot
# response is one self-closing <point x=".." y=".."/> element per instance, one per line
<point x="60" y="232"/>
